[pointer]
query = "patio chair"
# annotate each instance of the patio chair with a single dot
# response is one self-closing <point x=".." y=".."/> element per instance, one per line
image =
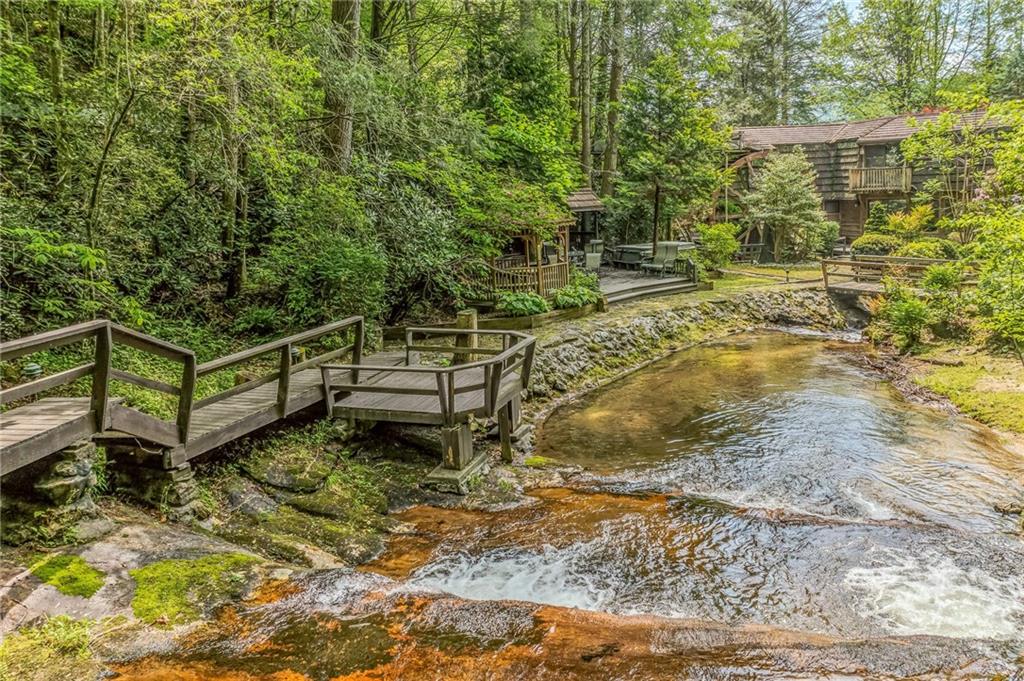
<point x="664" y="258"/>
<point x="594" y="252"/>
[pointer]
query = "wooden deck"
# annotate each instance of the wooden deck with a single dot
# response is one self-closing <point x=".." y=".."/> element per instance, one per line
<point x="385" y="386"/>
<point x="35" y="430"/>
<point x="425" y="407"/>
<point x="856" y="288"/>
<point x="619" y="286"/>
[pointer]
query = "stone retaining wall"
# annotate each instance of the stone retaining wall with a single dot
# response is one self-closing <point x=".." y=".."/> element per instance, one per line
<point x="603" y="345"/>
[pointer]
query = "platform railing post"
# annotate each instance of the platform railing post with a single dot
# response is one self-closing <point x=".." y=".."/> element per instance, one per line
<point x="465" y="319"/>
<point x="188" y="389"/>
<point x="101" y="376"/>
<point x="357" y="349"/>
<point x="284" y="374"/>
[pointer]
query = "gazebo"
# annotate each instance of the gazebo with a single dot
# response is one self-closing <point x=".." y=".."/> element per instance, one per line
<point x="530" y="264"/>
<point x="586" y="207"/>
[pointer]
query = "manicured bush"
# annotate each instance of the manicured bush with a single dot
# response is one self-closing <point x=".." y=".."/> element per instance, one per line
<point x="910" y="225"/>
<point x="875" y="244"/>
<point x="718" y="244"/>
<point x="943" y="277"/>
<point x="878" y="217"/>
<point x="931" y="247"/>
<point x="522" y="304"/>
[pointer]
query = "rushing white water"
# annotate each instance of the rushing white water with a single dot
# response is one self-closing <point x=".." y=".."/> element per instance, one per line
<point x="933" y="595"/>
<point x="790" y="487"/>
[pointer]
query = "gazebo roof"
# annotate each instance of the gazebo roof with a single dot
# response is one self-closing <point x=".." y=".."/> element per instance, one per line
<point x="584" y="201"/>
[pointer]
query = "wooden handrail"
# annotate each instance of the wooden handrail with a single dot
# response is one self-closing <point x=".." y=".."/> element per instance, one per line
<point x="102" y="372"/>
<point x="47" y="340"/>
<point x="147" y="343"/>
<point x="296" y="339"/>
<point x="23" y="390"/>
<point x="498" y="366"/>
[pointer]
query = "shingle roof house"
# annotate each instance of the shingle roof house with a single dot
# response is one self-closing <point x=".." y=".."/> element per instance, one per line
<point x="857" y="162"/>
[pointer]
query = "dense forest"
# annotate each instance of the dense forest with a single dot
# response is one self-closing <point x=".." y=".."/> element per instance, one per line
<point x="206" y="169"/>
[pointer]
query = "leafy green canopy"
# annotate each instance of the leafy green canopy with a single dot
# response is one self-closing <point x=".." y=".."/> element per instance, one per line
<point x="167" y="160"/>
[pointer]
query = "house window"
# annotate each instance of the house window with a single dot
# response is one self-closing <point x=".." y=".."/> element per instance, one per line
<point x="831" y="206"/>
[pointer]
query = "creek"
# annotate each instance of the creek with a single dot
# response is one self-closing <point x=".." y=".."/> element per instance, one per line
<point x="765" y="506"/>
<point x="769" y="478"/>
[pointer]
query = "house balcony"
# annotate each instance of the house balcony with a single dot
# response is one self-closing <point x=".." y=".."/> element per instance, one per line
<point x="890" y="180"/>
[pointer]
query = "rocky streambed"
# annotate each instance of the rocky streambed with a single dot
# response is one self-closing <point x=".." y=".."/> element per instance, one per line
<point x="700" y="518"/>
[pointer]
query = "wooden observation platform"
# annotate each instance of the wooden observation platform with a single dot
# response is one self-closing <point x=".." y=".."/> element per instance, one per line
<point x="465" y="379"/>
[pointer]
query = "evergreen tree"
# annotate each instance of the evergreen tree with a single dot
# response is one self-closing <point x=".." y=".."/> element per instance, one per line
<point x="773" y="58"/>
<point x="672" y="146"/>
<point x="787" y="208"/>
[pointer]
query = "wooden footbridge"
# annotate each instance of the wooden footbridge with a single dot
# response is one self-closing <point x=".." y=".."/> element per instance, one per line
<point x="391" y="386"/>
<point x="863" y="275"/>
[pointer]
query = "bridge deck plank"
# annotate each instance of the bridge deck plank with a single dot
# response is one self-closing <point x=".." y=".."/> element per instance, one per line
<point x="33" y="430"/>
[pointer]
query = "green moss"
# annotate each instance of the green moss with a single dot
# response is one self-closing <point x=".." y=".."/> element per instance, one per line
<point x="539" y="462"/>
<point x="56" y="649"/>
<point x="298" y="460"/>
<point x="987" y="388"/>
<point x="175" y="591"/>
<point x="69" y="574"/>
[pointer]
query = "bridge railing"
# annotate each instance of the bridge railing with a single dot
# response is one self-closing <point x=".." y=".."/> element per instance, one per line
<point x="285" y="367"/>
<point x="875" y="268"/>
<point x="101" y="370"/>
<point x="136" y="421"/>
<point x="98" y="369"/>
<point x="514" y="357"/>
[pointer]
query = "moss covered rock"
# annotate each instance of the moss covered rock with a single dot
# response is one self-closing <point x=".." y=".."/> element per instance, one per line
<point x="298" y="461"/>
<point x="69" y="574"/>
<point x="177" y="591"/>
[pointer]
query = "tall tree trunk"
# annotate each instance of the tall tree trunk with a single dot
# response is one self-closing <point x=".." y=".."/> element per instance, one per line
<point x="785" y="74"/>
<point x="574" y="76"/>
<point x="410" y="36"/>
<point x="611" y="149"/>
<point x="586" y="102"/>
<point x="56" y="74"/>
<point x="657" y="216"/>
<point x="99" y="37"/>
<point x="229" y="195"/>
<point x="345" y="24"/>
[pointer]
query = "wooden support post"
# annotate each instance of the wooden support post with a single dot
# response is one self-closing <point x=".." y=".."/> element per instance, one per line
<point x="505" y="432"/>
<point x="465" y="319"/>
<point x="456" y="446"/>
<point x="101" y="377"/>
<point x="357" y="348"/>
<point x="188" y="387"/>
<point x="284" y="374"/>
<point x="515" y="407"/>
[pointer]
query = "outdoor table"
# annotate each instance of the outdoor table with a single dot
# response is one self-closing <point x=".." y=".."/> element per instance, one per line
<point x="631" y="255"/>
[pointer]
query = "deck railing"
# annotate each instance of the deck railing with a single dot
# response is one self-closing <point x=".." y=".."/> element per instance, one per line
<point x="514" y="357"/>
<point x="101" y="370"/>
<point x="874" y="268"/>
<point x="98" y="369"/>
<point x="505" y="277"/>
<point x="885" y="179"/>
